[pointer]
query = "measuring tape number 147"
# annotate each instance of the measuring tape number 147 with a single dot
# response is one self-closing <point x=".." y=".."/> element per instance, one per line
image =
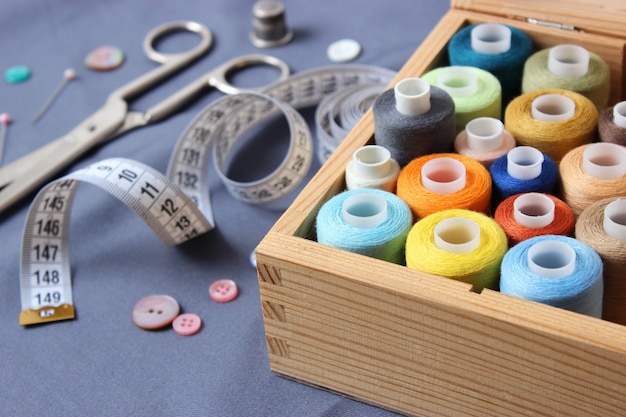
<point x="176" y="206"/>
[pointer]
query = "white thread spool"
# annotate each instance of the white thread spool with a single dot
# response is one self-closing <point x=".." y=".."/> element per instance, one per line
<point x="568" y="61"/>
<point x="491" y="38"/>
<point x="614" y="223"/>
<point x="484" y="134"/>
<point x="457" y="235"/>
<point x="365" y="211"/>
<point x="412" y="96"/>
<point x="553" y="108"/>
<point x="524" y="162"/>
<point x="443" y="175"/>
<point x="458" y="81"/>
<point x="619" y="114"/>
<point x="605" y="161"/>
<point x="551" y="259"/>
<point x="533" y="210"/>
<point x="372" y="167"/>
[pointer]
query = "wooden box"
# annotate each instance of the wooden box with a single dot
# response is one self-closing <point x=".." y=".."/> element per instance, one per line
<point x="425" y="345"/>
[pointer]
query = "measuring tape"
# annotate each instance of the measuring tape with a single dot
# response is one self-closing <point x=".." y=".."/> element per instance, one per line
<point x="176" y="206"/>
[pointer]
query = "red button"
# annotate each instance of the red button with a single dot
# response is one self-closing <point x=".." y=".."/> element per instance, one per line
<point x="187" y="324"/>
<point x="155" y="311"/>
<point x="223" y="290"/>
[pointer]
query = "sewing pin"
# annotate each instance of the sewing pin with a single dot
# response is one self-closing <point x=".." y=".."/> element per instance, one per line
<point x="68" y="75"/>
<point x="5" y="119"/>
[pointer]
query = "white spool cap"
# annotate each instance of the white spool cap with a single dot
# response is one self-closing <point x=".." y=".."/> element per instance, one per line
<point x="372" y="161"/>
<point x="568" y="61"/>
<point x="605" y="161"/>
<point x="364" y="210"/>
<point x="443" y="175"/>
<point x="458" y="81"/>
<point x="553" y="108"/>
<point x="457" y="235"/>
<point x="412" y="96"/>
<point x="491" y="38"/>
<point x="533" y="210"/>
<point x="484" y="134"/>
<point x="551" y="259"/>
<point x="619" y="114"/>
<point x="615" y="219"/>
<point x="524" y="162"/>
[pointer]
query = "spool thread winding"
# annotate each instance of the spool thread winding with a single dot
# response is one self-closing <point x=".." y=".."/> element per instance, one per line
<point x="386" y="241"/>
<point x="504" y="185"/>
<point x="580" y="291"/>
<point x="608" y="130"/>
<point x="485" y="158"/>
<point x="589" y="230"/>
<point x="475" y="196"/>
<point x="554" y="139"/>
<point x="481" y="267"/>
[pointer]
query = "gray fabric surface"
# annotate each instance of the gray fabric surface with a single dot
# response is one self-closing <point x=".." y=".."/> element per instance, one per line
<point x="101" y="364"/>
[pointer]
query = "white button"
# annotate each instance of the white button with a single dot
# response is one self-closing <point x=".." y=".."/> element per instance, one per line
<point x="343" y="50"/>
<point x="155" y="311"/>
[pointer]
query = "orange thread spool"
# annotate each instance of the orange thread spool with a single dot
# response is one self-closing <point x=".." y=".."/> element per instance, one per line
<point x="475" y="194"/>
<point x="562" y="222"/>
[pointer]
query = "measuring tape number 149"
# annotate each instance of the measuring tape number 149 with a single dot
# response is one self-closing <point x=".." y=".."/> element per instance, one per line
<point x="176" y="206"/>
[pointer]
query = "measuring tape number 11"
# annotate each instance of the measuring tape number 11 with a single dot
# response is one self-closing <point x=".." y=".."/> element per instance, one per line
<point x="176" y="206"/>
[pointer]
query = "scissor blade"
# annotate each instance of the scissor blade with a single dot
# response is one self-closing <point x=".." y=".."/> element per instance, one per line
<point x="132" y="121"/>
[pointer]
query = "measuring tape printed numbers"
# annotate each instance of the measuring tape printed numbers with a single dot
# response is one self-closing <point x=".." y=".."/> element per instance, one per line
<point x="46" y="289"/>
<point x="176" y="206"/>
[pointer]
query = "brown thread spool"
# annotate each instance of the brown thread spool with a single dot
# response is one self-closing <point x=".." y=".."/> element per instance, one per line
<point x="592" y="172"/>
<point x="527" y="215"/>
<point x="612" y="124"/>
<point x="590" y="229"/>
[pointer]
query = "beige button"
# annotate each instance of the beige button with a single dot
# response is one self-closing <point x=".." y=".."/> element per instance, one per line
<point x="155" y="311"/>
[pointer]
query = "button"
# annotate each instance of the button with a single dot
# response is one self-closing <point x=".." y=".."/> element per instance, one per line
<point x="104" y="58"/>
<point x="223" y="290"/>
<point x="253" y="259"/>
<point x="187" y="324"/>
<point x="155" y="311"/>
<point x="17" y="74"/>
<point x="343" y="50"/>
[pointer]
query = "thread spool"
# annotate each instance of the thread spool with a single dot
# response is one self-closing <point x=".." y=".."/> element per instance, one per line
<point x="485" y="140"/>
<point x="612" y="124"/>
<point x="527" y="215"/>
<point x="458" y="244"/>
<point x="602" y="226"/>
<point x="523" y="169"/>
<point x="591" y="173"/>
<point x="545" y="125"/>
<point x="414" y="119"/>
<point x="369" y="222"/>
<point x="451" y="181"/>
<point x="476" y="92"/>
<point x="569" y="67"/>
<point x="372" y="167"/>
<point x="555" y="270"/>
<point x="500" y="49"/>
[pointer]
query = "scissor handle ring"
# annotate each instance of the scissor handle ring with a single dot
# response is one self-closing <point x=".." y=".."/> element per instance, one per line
<point x="167" y="28"/>
<point x="219" y="75"/>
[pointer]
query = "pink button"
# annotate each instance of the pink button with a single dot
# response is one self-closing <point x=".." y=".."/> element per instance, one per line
<point x="223" y="290"/>
<point x="187" y="324"/>
<point x="155" y="311"/>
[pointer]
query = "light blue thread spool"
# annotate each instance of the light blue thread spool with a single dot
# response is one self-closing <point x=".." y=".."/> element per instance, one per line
<point x="370" y="222"/>
<point x="555" y="270"/>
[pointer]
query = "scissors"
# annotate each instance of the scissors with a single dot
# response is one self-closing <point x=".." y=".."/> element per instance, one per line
<point x="114" y="118"/>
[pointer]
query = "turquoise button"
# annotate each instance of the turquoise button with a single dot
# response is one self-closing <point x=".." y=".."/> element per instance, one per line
<point x="17" y="74"/>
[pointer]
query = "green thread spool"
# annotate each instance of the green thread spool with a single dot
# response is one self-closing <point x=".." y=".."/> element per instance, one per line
<point x="475" y="92"/>
<point x="569" y="67"/>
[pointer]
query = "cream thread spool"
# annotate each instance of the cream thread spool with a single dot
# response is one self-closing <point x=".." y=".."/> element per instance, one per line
<point x="372" y="167"/>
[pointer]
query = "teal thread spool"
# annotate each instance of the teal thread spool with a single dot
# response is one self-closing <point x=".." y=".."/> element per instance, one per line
<point x="569" y="67"/>
<point x="475" y="92"/>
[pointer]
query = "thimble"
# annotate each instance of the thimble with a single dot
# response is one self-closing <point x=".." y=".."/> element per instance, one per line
<point x="269" y="26"/>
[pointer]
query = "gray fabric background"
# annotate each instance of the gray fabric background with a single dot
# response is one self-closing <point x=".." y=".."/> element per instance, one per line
<point x="101" y="364"/>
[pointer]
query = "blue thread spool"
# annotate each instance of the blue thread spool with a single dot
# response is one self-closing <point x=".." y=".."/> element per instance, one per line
<point x="484" y="46"/>
<point x="523" y="169"/>
<point x="555" y="270"/>
<point x="370" y="222"/>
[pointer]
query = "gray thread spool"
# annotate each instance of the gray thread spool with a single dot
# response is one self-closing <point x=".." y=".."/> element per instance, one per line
<point x="414" y="119"/>
<point x="269" y="25"/>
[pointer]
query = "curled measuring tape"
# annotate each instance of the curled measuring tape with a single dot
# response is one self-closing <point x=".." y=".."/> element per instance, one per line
<point x="176" y="206"/>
